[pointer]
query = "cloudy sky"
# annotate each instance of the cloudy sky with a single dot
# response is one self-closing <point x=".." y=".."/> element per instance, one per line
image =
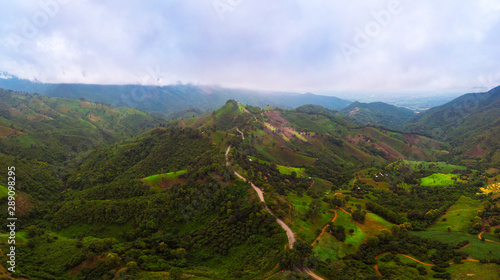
<point x="296" y="45"/>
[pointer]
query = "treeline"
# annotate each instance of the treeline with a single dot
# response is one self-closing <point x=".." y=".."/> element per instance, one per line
<point x="159" y="151"/>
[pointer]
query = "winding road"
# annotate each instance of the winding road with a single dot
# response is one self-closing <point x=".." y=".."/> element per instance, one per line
<point x="260" y="193"/>
<point x="324" y="228"/>
<point x="489" y="240"/>
<point x="289" y="232"/>
<point x="242" y="135"/>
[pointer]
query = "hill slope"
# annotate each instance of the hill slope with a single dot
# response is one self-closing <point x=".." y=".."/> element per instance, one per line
<point x="56" y="129"/>
<point x="378" y="113"/>
<point x="172" y="98"/>
<point x="470" y="123"/>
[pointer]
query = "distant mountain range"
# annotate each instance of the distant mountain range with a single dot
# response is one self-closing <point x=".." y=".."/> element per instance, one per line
<point x="169" y="99"/>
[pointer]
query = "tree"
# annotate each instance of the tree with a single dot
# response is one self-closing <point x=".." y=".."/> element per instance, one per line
<point x="175" y="273"/>
<point x="132" y="268"/>
<point x="290" y="259"/>
<point x="304" y="248"/>
<point x="112" y="260"/>
<point x="373" y="240"/>
<point x="359" y="216"/>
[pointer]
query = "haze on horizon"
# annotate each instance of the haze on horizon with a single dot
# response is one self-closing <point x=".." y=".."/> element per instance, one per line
<point x="327" y="47"/>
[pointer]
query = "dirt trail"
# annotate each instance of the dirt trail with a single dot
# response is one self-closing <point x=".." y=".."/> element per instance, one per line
<point x="281" y="271"/>
<point x="227" y="152"/>
<point x="489" y="240"/>
<point x="118" y="272"/>
<point x="312" y="274"/>
<point x="345" y="211"/>
<point x="324" y="228"/>
<point x="428" y="264"/>
<point x="242" y="135"/>
<point x="311" y="185"/>
<point x="378" y="271"/>
<point x="260" y="193"/>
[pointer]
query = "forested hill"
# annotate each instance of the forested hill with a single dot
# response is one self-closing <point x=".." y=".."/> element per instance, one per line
<point x="56" y="129"/>
<point x="172" y="98"/>
<point x="315" y="137"/>
<point x="470" y="123"/>
<point x="211" y="197"/>
<point x="378" y="113"/>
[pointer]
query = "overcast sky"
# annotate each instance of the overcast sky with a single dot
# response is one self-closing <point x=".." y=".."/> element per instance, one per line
<point x="295" y="45"/>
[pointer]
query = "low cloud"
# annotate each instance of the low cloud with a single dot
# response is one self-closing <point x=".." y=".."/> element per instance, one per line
<point x="393" y="46"/>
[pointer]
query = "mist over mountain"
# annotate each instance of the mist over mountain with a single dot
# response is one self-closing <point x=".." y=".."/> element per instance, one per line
<point x="172" y="98"/>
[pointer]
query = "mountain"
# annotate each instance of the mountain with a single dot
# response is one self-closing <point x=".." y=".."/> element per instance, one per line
<point x="378" y="113"/>
<point x="470" y="123"/>
<point x="313" y="133"/>
<point x="55" y="129"/>
<point x="241" y="193"/>
<point x="172" y="98"/>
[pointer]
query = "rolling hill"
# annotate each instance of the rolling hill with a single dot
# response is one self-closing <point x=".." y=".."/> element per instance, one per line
<point x="171" y="98"/>
<point x="378" y="113"/>
<point x="54" y="129"/>
<point x="223" y="196"/>
<point x="470" y="123"/>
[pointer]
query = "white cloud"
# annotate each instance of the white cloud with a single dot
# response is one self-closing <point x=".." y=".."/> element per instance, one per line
<point x="276" y="45"/>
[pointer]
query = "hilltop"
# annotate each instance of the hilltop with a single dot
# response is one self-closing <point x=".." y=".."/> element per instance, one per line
<point x="378" y="113"/>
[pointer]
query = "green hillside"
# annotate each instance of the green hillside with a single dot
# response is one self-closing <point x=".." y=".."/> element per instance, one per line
<point x="469" y="123"/>
<point x="57" y="129"/>
<point x="378" y="113"/>
<point x="239" y="193"/>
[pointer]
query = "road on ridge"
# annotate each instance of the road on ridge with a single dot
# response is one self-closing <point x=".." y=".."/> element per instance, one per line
<point x="260" y="193"/>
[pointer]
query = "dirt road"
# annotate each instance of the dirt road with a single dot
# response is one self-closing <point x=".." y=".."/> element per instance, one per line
<point x="242" y="135"/>
<point x="227" y="152"/>
<point x="312" y="274"/>
<point x="260" y="193"/>
<point x="324" y="228"/>
<point x="489" y="240"/>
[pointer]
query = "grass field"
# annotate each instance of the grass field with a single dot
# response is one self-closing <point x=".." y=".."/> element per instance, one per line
<point x="321" y="186"/>
<point x="458" y="216"/>
<point x="283" y="169"/>
<point x="306" y="228"/>
<point x="474" y="270"/>
<point x="477" y="248"/>
<point x="328" y="247"/>
<point x="404" y="272"/>
<point x="441" y="165"/>
<point x="3" y="191"/>
<point x="20" y="237"/>
<point x="156" y="181"/>
<point x="438" y="179"/>
<point x="284" y="156"/>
